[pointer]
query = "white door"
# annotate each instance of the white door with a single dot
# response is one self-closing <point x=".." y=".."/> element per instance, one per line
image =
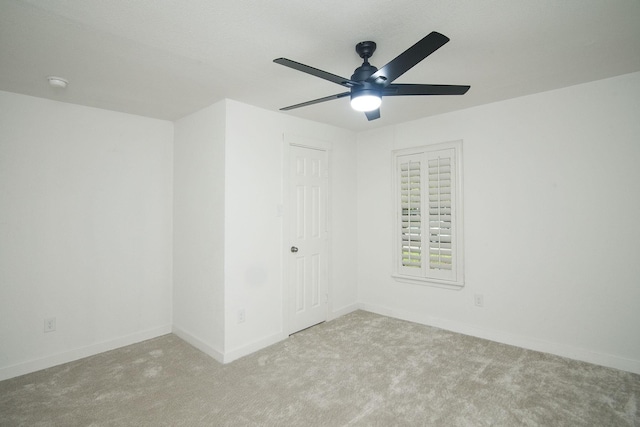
<point x="308" y="238"/>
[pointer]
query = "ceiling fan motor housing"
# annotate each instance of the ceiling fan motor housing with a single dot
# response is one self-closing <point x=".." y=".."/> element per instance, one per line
<point x="361" y="74"/>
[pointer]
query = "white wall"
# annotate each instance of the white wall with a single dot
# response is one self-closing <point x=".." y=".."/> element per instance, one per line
<point x="85" y="231"/>
<point x="551" y="230"/>
<point x="254" y="245"/>
<point x="198" y="212"/>
<point x="551" y="222"/>
<point x="103" y="212"/>
<point x="228" y="230"/>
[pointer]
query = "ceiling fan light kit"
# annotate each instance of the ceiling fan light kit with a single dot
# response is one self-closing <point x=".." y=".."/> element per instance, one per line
<point x="369" y="84"/>
<point x="366" y="100"/>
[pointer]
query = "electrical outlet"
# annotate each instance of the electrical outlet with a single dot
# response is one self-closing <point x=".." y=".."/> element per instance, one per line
<point x="50" y="324"/>
<point x="241" y="316"/>
<point x="478" y="300"/>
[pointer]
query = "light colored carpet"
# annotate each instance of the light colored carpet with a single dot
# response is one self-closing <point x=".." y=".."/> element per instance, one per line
<point x="361" y="369"/>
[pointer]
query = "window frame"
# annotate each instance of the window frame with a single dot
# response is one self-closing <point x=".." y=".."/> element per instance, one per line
<point x="453" y="279"/>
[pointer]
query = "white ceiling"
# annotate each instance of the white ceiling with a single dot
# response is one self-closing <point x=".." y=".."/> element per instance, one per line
<point x="168" y="58"/>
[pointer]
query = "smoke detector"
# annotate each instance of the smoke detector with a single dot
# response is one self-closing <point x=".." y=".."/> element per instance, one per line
<point x="57" y="82"/>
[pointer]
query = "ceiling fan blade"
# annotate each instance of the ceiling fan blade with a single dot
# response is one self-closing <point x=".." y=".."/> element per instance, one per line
<point x="317" y="73"/>
<point x="411" y="89"/>
<point x="316" y="101"/>
<point x="372" y="115"/>
<point x="407" y="59"/>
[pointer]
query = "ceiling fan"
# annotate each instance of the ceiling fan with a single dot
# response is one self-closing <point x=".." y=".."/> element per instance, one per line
<point x="368" y="84"/>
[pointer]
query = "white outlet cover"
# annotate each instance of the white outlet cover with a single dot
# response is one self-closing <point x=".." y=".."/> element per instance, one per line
<point x="478" y="300"/>
<point x="50" y="324"/>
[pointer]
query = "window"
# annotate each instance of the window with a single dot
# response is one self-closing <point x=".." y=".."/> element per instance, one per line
<point x="428" y="215"/>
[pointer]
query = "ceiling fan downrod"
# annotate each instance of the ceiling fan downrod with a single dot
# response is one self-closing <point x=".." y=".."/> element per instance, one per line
<point x="365" y="51"/>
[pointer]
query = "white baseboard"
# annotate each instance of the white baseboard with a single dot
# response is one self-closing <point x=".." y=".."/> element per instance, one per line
<point x="199" y="344"/>
<point x="535" y="344"/>
<point x="342" y="311"/>
<point x="245" y="350"/>
<point x="80" y="353"/>
<point x="563" y="350"/>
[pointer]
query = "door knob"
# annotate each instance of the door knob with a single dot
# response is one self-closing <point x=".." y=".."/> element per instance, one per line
<point x="294" y="249"/>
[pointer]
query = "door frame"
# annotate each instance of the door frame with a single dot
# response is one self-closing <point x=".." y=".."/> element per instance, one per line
<point x="290" y="140"/>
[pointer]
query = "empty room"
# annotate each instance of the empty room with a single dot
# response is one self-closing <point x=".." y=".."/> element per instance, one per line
<point x="319" y="213"/>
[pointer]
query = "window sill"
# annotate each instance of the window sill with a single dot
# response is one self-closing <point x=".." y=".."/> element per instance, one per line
<point x="425" y="281"/>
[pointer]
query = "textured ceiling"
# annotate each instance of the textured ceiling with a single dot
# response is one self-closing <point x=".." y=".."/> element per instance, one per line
<point x="168" y="58"/>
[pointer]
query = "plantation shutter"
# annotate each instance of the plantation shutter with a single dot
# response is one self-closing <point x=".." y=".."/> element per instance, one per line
<point x="411" y="230"/>
<point x="428" y="215"/>
<point x="441" y="202"/>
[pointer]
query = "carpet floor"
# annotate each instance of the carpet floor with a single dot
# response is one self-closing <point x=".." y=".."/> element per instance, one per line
<point x="361" y="369"/>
